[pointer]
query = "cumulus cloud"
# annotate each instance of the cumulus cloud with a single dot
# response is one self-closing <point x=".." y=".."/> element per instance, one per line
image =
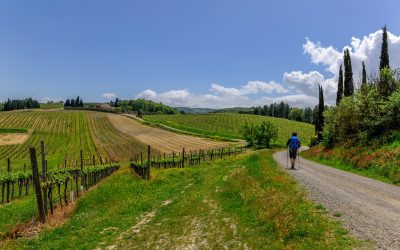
<point x="298" y="88"/>
<point x="109" y="96"/>
<point x="367" y="49"/>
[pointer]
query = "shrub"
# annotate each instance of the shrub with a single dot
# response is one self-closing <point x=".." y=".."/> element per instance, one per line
<point x="260" y="135"/>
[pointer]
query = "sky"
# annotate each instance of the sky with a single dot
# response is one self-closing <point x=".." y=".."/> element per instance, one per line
<point x="214" y="54"/>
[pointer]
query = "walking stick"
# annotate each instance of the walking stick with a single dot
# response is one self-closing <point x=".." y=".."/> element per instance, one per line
<point x="298" y="156"/>
<point x="287" y="158"/>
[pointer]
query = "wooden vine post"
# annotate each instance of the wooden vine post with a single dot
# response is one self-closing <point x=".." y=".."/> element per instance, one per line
<point x="148" y="162"/>
<point x="44" y="174"/>
<point x="8" y="182"/>
<point x="183" y="157"/>
<point x="36" y="181"/>
<point x="82" y="178"/>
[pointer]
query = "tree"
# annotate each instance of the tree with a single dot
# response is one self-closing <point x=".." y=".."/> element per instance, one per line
<point x="249" y="133"/>
<point x="81" y="103"/>
<point x="348" y="74"/>
<point x="77" y="101"/>
<point x="265" y="133"/>
<point x="384" y="63"/>
<point x="339" y="94"/>
<point x="308" y="115"/>
<point x="296" y="114"/>
<point x="386" y="83"/>
<point x="319" y="125"/>
<point x="364" y="77"/>
<point x="67" y="103"/>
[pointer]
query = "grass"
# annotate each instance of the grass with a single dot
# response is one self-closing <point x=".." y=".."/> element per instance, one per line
<point x="336" y="158"/>
<point x="13" y="130"/>
<point x="17" y="212"/>
<point x="244" y="201"/>
<point x="228" y="125"/>
<point x="51" y="105"/>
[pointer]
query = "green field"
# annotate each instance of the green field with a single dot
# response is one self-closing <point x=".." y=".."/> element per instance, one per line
<point x="51" y="105"/>
<point x="13" y="130"/>
<point x="229" y="124"/>
<point x="243" y="202"/>
<point x="65" y="133"/>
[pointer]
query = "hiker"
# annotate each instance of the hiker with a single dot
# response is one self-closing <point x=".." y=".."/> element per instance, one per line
<point x="293" y="144"/>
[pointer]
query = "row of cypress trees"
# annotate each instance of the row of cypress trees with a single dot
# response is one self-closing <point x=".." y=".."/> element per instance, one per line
<point x="345" y="85"/>
<point x="78" y="102"/>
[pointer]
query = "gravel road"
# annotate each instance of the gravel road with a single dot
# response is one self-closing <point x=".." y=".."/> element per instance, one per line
<point x="368" y="208"/>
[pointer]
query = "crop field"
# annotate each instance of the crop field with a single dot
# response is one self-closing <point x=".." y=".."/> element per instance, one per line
<point x="160" y="139"/>
<point x="229" y="125"/>
<point x="65" y="134"/>
<point x="101" y="137"/>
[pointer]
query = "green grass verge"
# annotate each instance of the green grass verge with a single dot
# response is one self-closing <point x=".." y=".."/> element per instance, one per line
<point x="246" y="201"/>
<point x="17" y="212"/>
<point x="339" y="164"/>
<point x="228" y="125"/>
<point x="13" y="130"/>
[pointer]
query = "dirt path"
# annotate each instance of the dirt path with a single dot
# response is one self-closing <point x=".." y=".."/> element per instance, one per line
<point x="162" y="140"/>
<point x="370" y="209"/>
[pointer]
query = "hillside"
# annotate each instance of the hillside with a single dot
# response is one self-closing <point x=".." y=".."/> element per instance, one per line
<point x="245" y="202"/>
<point x="229" y="125"/>
<point x="67" y="132"/>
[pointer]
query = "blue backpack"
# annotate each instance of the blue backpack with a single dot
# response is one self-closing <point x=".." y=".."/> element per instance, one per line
<point x="294" y="143"/>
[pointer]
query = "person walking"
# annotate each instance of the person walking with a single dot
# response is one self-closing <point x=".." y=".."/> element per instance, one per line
<point x="293" y="146"/>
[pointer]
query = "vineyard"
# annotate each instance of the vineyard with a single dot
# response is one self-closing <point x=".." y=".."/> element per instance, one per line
<point x="229" y="124"/>
<point x="66" y="133"/>
<point x="160" y="139"/>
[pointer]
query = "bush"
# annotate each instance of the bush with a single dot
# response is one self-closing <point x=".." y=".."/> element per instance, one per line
<point x="260" y="135"/>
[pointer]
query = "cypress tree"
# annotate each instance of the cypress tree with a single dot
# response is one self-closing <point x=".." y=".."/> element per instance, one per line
<point x="364" y="77"/>
<point x="320" y="116"/>
<point x="348" y="74"/>
<point x="384" y="51"/>
<point x="339" y="94"/>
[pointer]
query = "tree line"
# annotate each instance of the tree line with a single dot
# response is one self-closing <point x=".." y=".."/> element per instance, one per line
<point x="283" y="110"/>
<point x="142" y="106"/>
<point x="78" y="102"/>
<point x="369" y="115"/>
<point x="27" y="103"/>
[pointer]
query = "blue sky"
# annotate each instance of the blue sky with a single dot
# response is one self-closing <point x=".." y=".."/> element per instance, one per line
<point x="191" y="53"/>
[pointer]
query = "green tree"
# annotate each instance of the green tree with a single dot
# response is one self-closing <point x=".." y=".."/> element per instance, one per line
<point x="386" y="84"/>
<point x="384" y="62"/>
<point x="319" y="125"/>
<point x="265" y="133"/>
<point x="249" y="133"/>
<point x="364" y="77"/>
<point x="296" y="114"/>
<point x="339" y="94"/>
<point x="348" y="74"/>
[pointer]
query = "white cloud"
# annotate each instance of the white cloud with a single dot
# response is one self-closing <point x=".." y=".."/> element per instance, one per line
<point x="298" y="88"/>
<point x="109" y="96"/>
<point x="367" y="49"/>
<point x="49" y="99"/>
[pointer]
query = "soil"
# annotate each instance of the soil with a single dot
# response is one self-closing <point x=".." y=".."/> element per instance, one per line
<point x="160" y="139"/>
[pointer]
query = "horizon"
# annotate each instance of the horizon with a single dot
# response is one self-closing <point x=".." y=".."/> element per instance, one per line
<point x="199" y="55"/>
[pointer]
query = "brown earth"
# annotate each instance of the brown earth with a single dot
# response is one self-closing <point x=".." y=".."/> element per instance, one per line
<point x="160" y="139"/>
<point x="12" y="139"/>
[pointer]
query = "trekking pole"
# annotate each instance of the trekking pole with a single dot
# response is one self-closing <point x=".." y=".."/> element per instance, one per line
<point x="287" y="157"/>
<point x="298" y="156"/>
